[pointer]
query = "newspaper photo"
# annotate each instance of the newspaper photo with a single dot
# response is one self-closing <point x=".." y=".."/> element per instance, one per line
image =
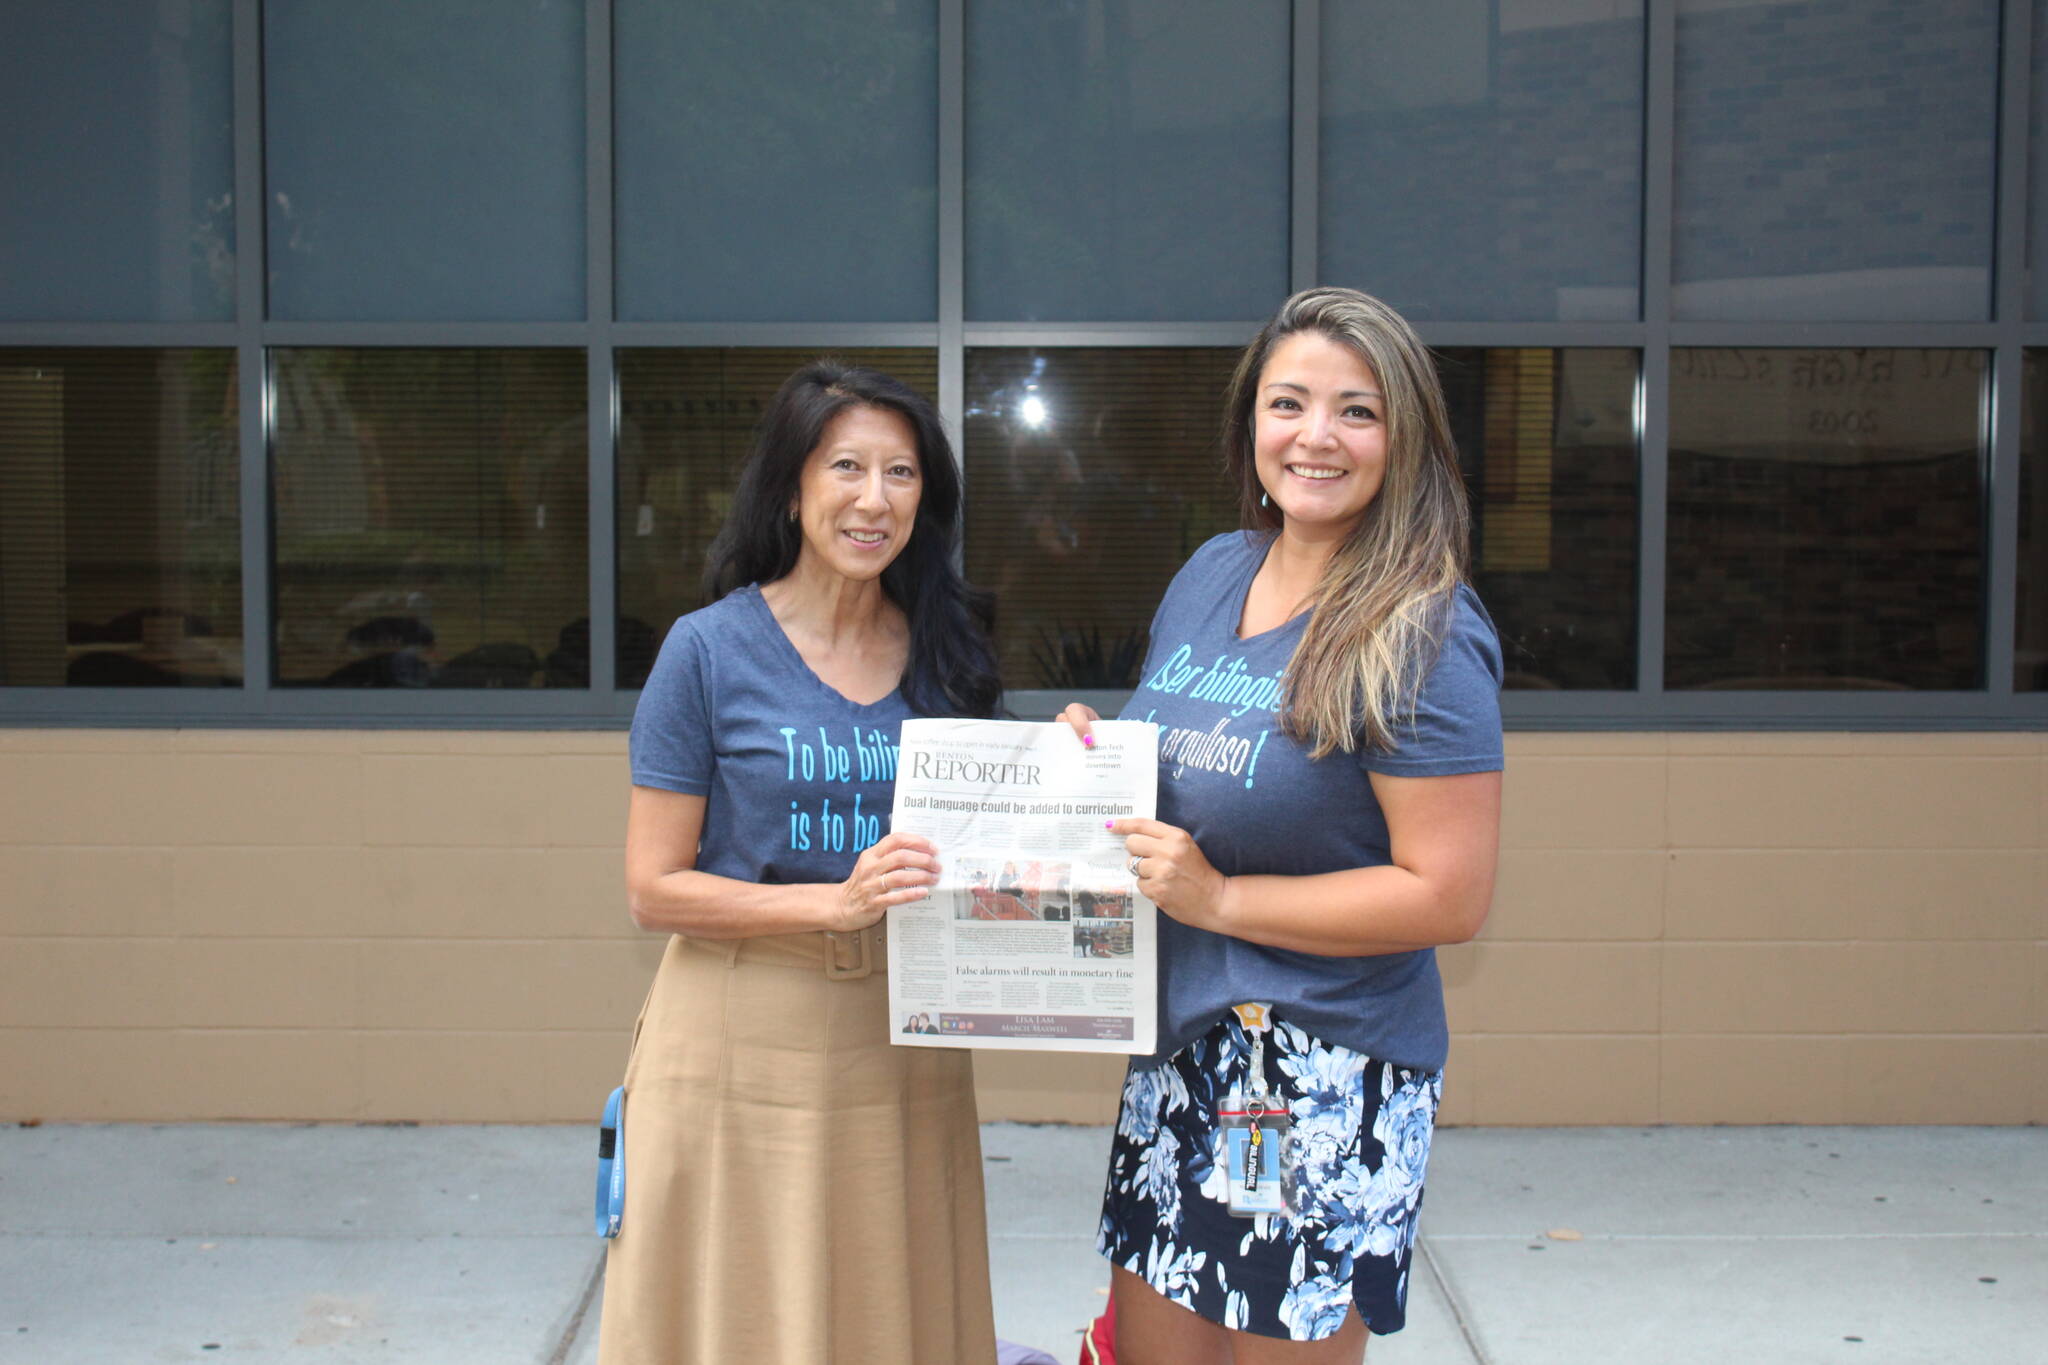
<point x="1035" y="936"/>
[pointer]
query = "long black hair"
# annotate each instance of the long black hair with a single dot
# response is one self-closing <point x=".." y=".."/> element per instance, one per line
<point x="952" y="669"/>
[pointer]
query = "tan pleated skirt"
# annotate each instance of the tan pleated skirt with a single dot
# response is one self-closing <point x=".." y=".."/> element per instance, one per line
<point x="797" y="1189"/>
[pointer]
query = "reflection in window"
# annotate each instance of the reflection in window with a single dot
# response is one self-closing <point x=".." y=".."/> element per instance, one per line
<point x="686" y="423"/>
<point x="778" y="163"/>
<point x="1127" y="160"/>
<point x="1092" y="474"/>
<point x="118" y="162"/>
<point x="1548" y="442"/>
<point x="1826" y="519"/>
<point x="120" y="530"/>
<point x="2030" y="642"/>
<point x="432" y="518"/>
<point x="1482" y="159"/>
<point x="424" y="159"/>
<point x="1834" y="162"/>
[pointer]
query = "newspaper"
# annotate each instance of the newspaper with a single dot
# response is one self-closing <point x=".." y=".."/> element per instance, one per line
<point x="1035" y="936"/>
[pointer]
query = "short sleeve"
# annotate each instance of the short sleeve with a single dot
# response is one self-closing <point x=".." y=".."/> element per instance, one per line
<point x="671" y="743"/>
<point x="1457" y="715"/>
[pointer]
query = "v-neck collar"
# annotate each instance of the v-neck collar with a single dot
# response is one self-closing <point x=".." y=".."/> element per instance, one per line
<point x="1236" y="601"/>
<point x="795" y="657"/>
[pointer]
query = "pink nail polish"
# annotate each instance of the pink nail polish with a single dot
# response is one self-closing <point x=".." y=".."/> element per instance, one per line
<point x="1109" y="824"/>
<point x="1087" y="741"/>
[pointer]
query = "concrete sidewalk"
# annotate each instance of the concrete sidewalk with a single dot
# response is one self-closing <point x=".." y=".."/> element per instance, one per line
<point x="449" y="1245"/>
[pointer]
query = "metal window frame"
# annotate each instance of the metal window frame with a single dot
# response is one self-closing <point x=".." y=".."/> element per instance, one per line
<point x="252" y="336"/>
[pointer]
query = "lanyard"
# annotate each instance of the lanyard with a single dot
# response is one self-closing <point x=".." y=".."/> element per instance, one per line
<point x="1258" y="1022"/>
<point x="1255" y="1133"/>
<point x="611" y="1166"/>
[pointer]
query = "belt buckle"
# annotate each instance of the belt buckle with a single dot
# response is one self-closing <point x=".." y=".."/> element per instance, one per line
<point x="863" y="959"/>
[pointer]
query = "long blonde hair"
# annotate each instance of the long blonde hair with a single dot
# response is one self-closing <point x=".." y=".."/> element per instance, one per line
<point x="1378" y="613"/>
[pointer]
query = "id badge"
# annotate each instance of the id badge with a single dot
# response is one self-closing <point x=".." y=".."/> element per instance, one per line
<point x="1260" y="1160"/>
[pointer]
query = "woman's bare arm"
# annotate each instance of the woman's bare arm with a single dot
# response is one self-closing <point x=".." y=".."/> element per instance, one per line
<point x="665" y="892"/>
<point x="1445" y="838"/>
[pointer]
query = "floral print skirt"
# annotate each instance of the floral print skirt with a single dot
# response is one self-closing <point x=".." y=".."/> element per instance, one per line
<point x="1358" y="1141"/>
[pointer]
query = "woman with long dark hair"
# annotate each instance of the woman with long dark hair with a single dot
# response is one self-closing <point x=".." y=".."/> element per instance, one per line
<point x="1326" y="687"/>
<point x="798" y="1189"/>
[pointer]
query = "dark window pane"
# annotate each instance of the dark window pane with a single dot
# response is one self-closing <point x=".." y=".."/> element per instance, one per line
<point x="1482" y="159"/>
<point x="1549" y="447"/>
<point x="1127" y="160"/>
<point x="1826" y="520"/>
<point x="2037" y="170"/>
<point x="120" y="529"/>
<point x="1834" y="161"/>
<point x="118" y="162"/>
<point x="686" y="423"/>
<point x="2030" y="644"/>
<point x="424" y="159"/>
<point x="1091" y="476"/>
<point x="778" y="162"/>
<point x="432" y="517"/>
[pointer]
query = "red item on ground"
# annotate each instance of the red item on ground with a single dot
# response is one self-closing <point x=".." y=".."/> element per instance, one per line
<point x="1098" y="1347"/>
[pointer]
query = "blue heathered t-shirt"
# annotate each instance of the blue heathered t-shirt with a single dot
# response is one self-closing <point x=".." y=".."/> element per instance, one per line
<point x="797" y="780"/>
<point x="1255" y="804"/>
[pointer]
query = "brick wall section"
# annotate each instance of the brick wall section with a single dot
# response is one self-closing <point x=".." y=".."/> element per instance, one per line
<point x="1836" y="135"/>
<point x="1491" y="207"/>
<point x="389" y="925"/>
<point x="1812" y="138"/>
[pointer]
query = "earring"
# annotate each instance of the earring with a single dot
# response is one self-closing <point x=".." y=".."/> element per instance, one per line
<point x="1265" y="501"/>
<point x="792" y="512"/>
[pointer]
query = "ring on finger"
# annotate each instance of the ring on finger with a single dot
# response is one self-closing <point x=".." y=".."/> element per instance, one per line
<point x="1132" y="864"/>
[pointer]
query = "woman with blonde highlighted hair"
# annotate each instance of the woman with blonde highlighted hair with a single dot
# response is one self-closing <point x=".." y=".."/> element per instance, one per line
<point x="1326" y="688"/>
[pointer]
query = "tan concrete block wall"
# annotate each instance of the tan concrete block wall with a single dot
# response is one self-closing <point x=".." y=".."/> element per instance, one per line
<point x="1761" y="928"/>
<point x="313" y="924"/>
<point x="1745" y="928"/>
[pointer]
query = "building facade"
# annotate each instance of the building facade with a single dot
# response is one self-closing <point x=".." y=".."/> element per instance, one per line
<point x="373" y="376"/>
